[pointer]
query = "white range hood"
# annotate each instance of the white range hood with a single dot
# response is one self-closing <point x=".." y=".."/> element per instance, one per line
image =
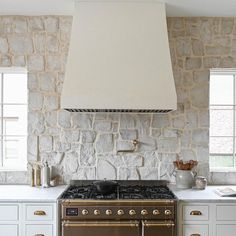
<point x="119" y="59"/>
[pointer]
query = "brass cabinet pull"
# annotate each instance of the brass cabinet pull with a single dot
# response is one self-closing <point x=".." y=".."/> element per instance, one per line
<point x="195" y="213"/>
<point x="195" y="235"/>
<point x="39" y="213"/>
<point x="39" y="235"/>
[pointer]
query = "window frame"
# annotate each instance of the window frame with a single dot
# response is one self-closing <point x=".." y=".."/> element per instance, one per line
<point x="23" y="159"/>
<point x="232" y="72"/>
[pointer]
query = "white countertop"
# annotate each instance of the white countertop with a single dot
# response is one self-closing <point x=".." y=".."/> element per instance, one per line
<point x="202" y="195"/>
<point x="24" y="193"/>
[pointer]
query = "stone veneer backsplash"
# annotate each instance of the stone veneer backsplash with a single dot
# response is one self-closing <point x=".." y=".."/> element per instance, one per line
<point x="84" y="146"/>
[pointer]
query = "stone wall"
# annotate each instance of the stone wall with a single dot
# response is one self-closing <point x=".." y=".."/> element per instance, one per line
<point x="84" y="146"/>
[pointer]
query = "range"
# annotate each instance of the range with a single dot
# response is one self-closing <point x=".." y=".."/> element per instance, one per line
<point x="118" y="208"/>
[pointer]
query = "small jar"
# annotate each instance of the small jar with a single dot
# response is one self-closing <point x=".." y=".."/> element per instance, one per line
<point x="200" y="182"/>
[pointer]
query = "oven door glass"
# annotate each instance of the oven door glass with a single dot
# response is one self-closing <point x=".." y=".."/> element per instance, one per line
<point x="156" y="228"/>
<point x="100" y="228"/>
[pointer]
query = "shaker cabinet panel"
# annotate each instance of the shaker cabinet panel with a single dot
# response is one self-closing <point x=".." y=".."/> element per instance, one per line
<point x="195" y="230"/>
<point x="35" y="230"/>
<point x="9" y="212"/>
<point x="226" y="212"/>
<point x="39" y="212"/>
<point x="226" y="230"/>
<point x="9" y="230"/>
<point x="195" y="212"/>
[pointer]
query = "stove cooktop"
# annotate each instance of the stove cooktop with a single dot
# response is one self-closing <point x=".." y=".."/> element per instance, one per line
<point x="122" y="192"/>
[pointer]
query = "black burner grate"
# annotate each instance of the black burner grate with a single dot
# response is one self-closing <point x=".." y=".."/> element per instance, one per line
<point x="121" y="192"/>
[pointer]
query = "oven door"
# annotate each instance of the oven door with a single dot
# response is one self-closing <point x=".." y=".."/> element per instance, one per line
<point x="100" y="228"/>
<point x="158" y="228"/>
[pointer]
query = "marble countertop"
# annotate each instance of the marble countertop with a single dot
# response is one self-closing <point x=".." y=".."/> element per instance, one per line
<point x="25" y="193"/>
<point x="202" y="195"/>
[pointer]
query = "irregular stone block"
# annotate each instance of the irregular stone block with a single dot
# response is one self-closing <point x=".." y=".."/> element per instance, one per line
<point x="105" y="143"/>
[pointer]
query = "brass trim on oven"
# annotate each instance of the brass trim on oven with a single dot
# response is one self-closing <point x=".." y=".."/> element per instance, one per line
<point x="158" y="224"/>
<point x="101" y="224"/>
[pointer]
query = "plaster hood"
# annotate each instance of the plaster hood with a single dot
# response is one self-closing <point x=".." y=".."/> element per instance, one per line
<point x="119" y="59"/>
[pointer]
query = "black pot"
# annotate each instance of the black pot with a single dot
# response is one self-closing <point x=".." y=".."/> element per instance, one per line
<point x="105" y="186"/>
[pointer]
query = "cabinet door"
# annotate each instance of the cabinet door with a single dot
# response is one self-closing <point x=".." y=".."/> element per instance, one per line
<point x="9" y="230"/>
<point x="42" y="230"/>
<point x="100" y="228"/>
<point x="39" y="212"/>
<point x="225" y="230"/>
<point x="195" y="230"/>
<point x="9" y="212"/>
<point x="154" y="228"/>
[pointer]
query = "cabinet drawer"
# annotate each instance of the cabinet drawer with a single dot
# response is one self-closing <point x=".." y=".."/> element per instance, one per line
<point x="195" y="230"/>
<point x="225" y="230"/>
<point x="8" y="212"/>
<point x="9" y="230"/>
<point x="40" y="213"/>
<point x="195" y="212"/>
<point x="39" y="230"/>
<point x="226" y="212"/>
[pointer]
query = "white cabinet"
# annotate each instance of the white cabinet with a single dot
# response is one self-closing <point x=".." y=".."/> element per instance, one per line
<point x="39" y="212"/>
<point x="9" y="212"/>
<point x="197" y="230"/>
<point x="206" y="219"/>
<point x="9" y="230"/>
<point x="226" y="230"/>
<point x="45" y="230"/>
<point x="195" y="212"/>
<point x="29" y="219"/>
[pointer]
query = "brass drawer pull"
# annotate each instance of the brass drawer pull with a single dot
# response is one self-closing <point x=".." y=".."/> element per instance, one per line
<point x="40" y="213"/>
<point x="195" y="235"/>
<point x="195" y="213"/>
<point x="39" y="235"/>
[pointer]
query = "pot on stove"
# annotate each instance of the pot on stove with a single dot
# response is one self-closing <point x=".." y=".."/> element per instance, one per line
<point x="105" y="186"/>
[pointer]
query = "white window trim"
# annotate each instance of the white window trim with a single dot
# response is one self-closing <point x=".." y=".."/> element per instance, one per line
<point x="14" y="70"/>
<point x="223" y="71"/>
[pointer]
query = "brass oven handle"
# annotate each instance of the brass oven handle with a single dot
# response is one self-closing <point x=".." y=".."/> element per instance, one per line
<point x="39" y="213"/>
<point x="102" y="224"/>
<point x="195" y="235"/>
<point x="195" y="213"/>
<point x="159" y="224"/>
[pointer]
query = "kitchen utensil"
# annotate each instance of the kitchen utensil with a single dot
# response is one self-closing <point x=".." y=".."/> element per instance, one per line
<point x="105" y="186"/>
<point x="200" y="182"/>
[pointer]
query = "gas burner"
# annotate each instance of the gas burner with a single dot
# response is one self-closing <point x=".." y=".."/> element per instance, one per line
<point x="121" y="192"/>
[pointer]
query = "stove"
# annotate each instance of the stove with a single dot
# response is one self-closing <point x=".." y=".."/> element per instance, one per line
<point x="134" y="208"/>
<point x="89" y="191"/>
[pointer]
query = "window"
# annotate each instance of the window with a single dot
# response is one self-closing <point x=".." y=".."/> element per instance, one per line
<point x="223" y="119"/>
<point x="13" y="119"/>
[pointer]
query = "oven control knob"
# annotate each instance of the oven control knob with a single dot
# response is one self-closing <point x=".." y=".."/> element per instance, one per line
<point x="144" y="212"/>
<point x="156" y="212"/>
<point x="168" y="212"/>
<point x="96" y="212"/>
<point x="132" y="212"/>
<point x="120" y="212"/>
<point x="108" y="212"/>
<point x="84" y="212"/>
